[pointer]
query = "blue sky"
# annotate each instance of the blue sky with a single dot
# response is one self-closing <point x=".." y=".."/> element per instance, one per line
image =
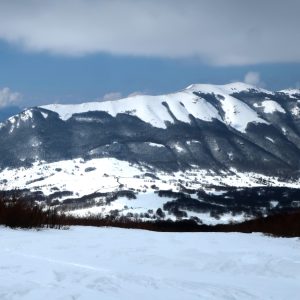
<point x="74" y="51"/>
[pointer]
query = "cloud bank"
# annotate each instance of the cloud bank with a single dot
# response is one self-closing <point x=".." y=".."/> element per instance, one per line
<point x="218" y="32"/>
<point x="8" y="97"/>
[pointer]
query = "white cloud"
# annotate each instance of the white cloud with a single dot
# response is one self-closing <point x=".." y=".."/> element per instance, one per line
<point x="135" y="94"/>
<point x="8" y="97"/>
<point x="117" y="95"/>
<point x="112" y="96"/>
<point x="253" y="78"/>
<point x="231" y="32"/>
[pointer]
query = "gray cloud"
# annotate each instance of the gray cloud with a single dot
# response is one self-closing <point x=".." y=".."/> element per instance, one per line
<point x="231" y="32"/>
<point x="8" y="97"/>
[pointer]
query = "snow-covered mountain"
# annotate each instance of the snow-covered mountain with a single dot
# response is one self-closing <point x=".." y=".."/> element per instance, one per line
<point x="204" y="135"/>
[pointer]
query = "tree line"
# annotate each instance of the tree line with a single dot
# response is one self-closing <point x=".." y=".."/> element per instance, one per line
<point x="20" y="213"/>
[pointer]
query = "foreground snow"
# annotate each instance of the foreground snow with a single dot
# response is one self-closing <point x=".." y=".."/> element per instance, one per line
<point x="105" y="263"/>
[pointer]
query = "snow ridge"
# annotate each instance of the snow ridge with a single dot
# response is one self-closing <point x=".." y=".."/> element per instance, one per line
<point x="156" y="109"/>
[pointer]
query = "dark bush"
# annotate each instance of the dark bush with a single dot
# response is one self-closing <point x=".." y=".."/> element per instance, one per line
<point x="160" y="213"/>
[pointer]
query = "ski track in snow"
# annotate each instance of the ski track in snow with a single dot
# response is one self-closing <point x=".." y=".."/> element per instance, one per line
<point x="109" y="263"/>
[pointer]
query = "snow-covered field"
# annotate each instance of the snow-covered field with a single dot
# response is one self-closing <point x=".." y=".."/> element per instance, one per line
<point x="106" y="263"/>
<point x="107" y="174"/>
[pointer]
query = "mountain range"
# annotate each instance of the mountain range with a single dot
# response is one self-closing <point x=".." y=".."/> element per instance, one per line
<point x="204" y="136"/>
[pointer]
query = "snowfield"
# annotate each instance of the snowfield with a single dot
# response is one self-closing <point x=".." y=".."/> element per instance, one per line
<point x="108" y="263"/>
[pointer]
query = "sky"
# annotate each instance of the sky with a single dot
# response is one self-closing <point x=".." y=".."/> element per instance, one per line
<point x="71" y="51"/>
